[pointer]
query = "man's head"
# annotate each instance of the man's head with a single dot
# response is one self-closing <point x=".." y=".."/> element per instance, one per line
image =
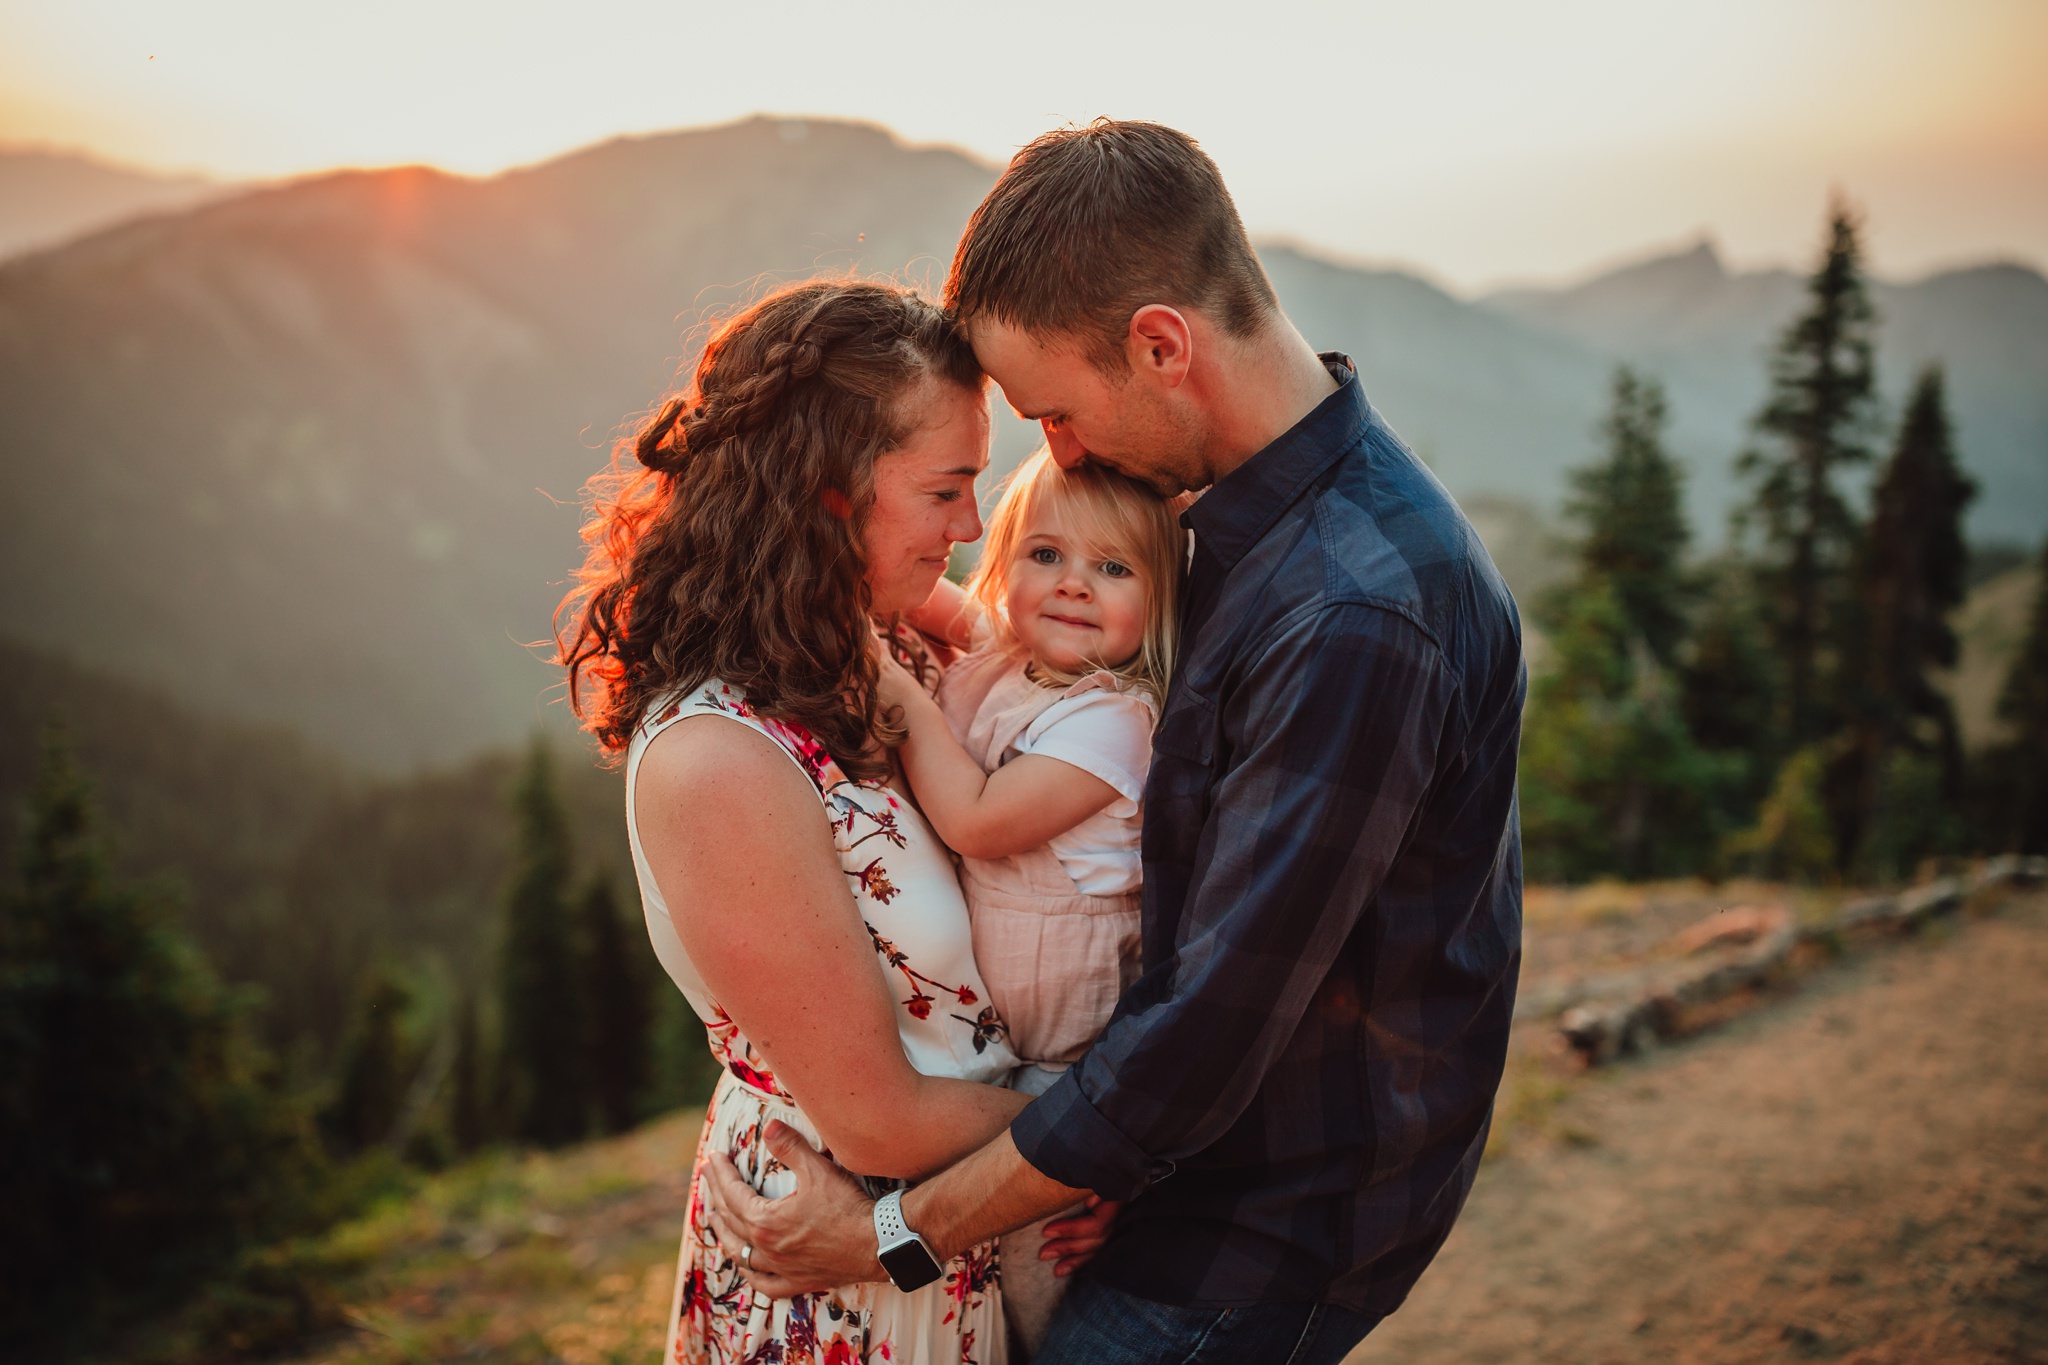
<point x="1102" y="262"/>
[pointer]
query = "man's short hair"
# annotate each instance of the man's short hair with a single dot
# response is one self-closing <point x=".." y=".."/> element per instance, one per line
<point x="1088" y="225"/>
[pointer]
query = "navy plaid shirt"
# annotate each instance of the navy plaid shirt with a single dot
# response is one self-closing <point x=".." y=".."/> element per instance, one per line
<point x="1297" y="1090"/>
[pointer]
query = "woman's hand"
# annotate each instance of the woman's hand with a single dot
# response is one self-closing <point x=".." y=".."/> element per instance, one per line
<point x="819" y="1235"/>
<point x="1073" y="1241"/>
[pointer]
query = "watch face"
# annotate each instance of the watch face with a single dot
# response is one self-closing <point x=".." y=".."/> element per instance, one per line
<point x="910" y="1265"/>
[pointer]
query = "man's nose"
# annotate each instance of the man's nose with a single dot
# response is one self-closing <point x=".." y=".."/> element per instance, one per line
<point x="1067" y="452"/>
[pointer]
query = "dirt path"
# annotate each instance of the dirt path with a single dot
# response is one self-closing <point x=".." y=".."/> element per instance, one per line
<point x="1857" y="1173"/>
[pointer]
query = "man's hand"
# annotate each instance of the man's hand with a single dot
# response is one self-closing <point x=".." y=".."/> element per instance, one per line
<point x="819" y="1236"/>
<point x="1073" y="1241"/>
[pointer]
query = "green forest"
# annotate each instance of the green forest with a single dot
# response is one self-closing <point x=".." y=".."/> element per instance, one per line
<point x="247" y="990"/>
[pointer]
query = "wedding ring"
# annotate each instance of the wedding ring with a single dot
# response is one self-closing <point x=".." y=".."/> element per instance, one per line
<point x="747" y="1256"/>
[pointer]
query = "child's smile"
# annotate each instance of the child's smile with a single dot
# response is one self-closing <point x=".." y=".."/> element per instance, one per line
<point x="1073" y="605"/>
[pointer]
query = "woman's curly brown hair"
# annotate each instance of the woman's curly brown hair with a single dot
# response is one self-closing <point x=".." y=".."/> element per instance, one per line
<point x="734" y="550"/>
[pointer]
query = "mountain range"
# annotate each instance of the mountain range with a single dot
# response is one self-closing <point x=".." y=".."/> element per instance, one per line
<point x="311" y="453"/>
<point x="50" y="197"/>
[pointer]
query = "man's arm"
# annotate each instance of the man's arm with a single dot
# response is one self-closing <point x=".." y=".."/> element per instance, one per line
<point x="1333" y="734"/>
<point x="823" y="1234"/>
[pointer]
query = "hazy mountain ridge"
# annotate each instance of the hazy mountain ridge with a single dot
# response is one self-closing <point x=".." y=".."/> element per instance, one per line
<point x="1707" y="333"/>
<point x="50" y="197"/>
<point x="312" y="454"/>
<point x="298" y="435"/>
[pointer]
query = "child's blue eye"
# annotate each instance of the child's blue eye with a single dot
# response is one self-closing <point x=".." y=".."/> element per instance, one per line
<point x="1114" y="569"/>
<point x="1045" y="554"/>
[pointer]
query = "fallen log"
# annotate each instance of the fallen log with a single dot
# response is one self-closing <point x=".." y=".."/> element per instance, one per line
<point x="1609" y="1017"/>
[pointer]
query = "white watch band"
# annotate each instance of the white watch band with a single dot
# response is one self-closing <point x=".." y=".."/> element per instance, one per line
<point x="889" y="1225"/>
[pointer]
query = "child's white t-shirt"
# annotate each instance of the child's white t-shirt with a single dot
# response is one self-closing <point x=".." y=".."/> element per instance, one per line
<point x="1108" y="735"/>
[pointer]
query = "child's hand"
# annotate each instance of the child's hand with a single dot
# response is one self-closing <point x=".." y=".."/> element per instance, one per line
<point x="1072" y="1242"/>
<point x="895" y="686"/>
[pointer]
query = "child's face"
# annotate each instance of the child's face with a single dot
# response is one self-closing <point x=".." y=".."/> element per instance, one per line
<point x="1071" y="606"/>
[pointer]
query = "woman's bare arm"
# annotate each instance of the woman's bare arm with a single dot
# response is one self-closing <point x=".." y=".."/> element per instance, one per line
<point x="745" y="861"/>
<point x="1020" y="806"/>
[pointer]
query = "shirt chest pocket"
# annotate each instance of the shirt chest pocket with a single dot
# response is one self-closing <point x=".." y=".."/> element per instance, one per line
<point x="1182" y="782"/>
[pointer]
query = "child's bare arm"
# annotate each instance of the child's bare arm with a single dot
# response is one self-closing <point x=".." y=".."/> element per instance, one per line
<point x="1020" y="806"/>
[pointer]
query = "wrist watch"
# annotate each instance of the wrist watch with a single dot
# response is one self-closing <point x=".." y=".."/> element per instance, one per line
<point x="903" y="1253"/>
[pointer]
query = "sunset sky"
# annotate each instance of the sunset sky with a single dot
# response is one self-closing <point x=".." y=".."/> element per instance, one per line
<point x="1481" y="142"/>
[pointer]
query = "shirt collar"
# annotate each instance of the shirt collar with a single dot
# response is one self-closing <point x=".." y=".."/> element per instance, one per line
<point x="1243" y="505"/>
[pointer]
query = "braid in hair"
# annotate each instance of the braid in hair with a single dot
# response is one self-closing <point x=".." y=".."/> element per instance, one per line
<point x="735" y="553"/>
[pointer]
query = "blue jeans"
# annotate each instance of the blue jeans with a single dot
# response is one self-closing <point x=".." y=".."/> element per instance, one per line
<point x="1097" y="1325"/>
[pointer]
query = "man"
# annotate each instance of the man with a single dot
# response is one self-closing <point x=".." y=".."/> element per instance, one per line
<point x="1295" y="1094"/>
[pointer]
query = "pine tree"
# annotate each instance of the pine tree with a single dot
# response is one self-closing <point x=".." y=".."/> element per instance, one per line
<point x="467" y="1127"/>
<point x="617" y="994"/>
<point x="143" y="1128"/>
<point x="1631" y="506"/>
<point x="540" y="995"/>
<point x="1612" y="781"/>
<point x="2023" y="707"/>
<point x="1910" y="576"/>
<point x="1730" y="680"/>
<point x="1814" y="426"/>
<point x="373" y="1068"/>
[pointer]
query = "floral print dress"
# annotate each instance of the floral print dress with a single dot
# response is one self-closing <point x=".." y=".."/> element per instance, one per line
<point x="904" y="887"/>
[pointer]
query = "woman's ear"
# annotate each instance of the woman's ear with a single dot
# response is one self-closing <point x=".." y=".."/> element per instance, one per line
<point x="1161" y="344"/>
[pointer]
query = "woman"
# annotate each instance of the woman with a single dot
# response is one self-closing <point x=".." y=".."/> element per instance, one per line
<point x="814" y="477"/>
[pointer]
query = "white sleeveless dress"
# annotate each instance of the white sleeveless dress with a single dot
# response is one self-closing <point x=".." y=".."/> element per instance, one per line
<point x="904" y="887"/>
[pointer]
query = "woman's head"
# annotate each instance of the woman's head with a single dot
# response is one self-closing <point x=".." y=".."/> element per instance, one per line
<point x="817" y="469"/>
<point x="1082" y="571"/>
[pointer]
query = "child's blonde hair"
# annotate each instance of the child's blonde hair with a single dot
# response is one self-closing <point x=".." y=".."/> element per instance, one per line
<point x="1116" y="518"/>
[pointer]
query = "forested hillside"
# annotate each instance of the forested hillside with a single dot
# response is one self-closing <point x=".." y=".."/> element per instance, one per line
<point x="295" y="871"/>
<point x="311" y="455"/>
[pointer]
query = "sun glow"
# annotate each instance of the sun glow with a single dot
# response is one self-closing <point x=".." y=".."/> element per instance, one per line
<point x="1479" y="140"/>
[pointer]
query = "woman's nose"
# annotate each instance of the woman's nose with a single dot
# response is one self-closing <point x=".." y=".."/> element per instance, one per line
<point x="966" y="526"/>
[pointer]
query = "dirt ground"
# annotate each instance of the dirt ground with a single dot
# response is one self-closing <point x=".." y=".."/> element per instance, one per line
<point x="1854" y="1170"/>
<point x="1853" y="1167"/>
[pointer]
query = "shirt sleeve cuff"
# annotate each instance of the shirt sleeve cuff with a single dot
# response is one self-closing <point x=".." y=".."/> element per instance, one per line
<point x="1067" y="1139"/>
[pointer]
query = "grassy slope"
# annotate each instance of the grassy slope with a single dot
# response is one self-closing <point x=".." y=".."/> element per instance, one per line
<point x="570" y="1256"/>
<point x="1991" y="625"/>
<point x="566" y="1257"/>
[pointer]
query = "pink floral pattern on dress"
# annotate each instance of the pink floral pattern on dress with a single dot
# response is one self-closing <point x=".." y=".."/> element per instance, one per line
<point x="718" y="1319"/>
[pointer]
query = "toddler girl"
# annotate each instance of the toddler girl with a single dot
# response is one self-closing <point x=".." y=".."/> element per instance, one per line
<point x="1031" y="764"/>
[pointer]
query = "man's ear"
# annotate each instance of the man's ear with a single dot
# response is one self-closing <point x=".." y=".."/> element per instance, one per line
<point x="1161" y="344"/>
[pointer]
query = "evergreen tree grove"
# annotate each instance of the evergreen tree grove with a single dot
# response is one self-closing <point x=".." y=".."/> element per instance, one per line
<point x="1630" y="505"/>
<point x="143" y="1131"/>
<point x="2023" y="707"/>
<point x="1910" y="576"/>
<point x="543" y="1027"/>
<point x="1729" y="683"/>
<point x="467" y="1128"/>
<point x="373" y="1069"/>
<point x="620" y="1010"/>
<point x="1813" y="426"/>
<point x="1612" y="782"/>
